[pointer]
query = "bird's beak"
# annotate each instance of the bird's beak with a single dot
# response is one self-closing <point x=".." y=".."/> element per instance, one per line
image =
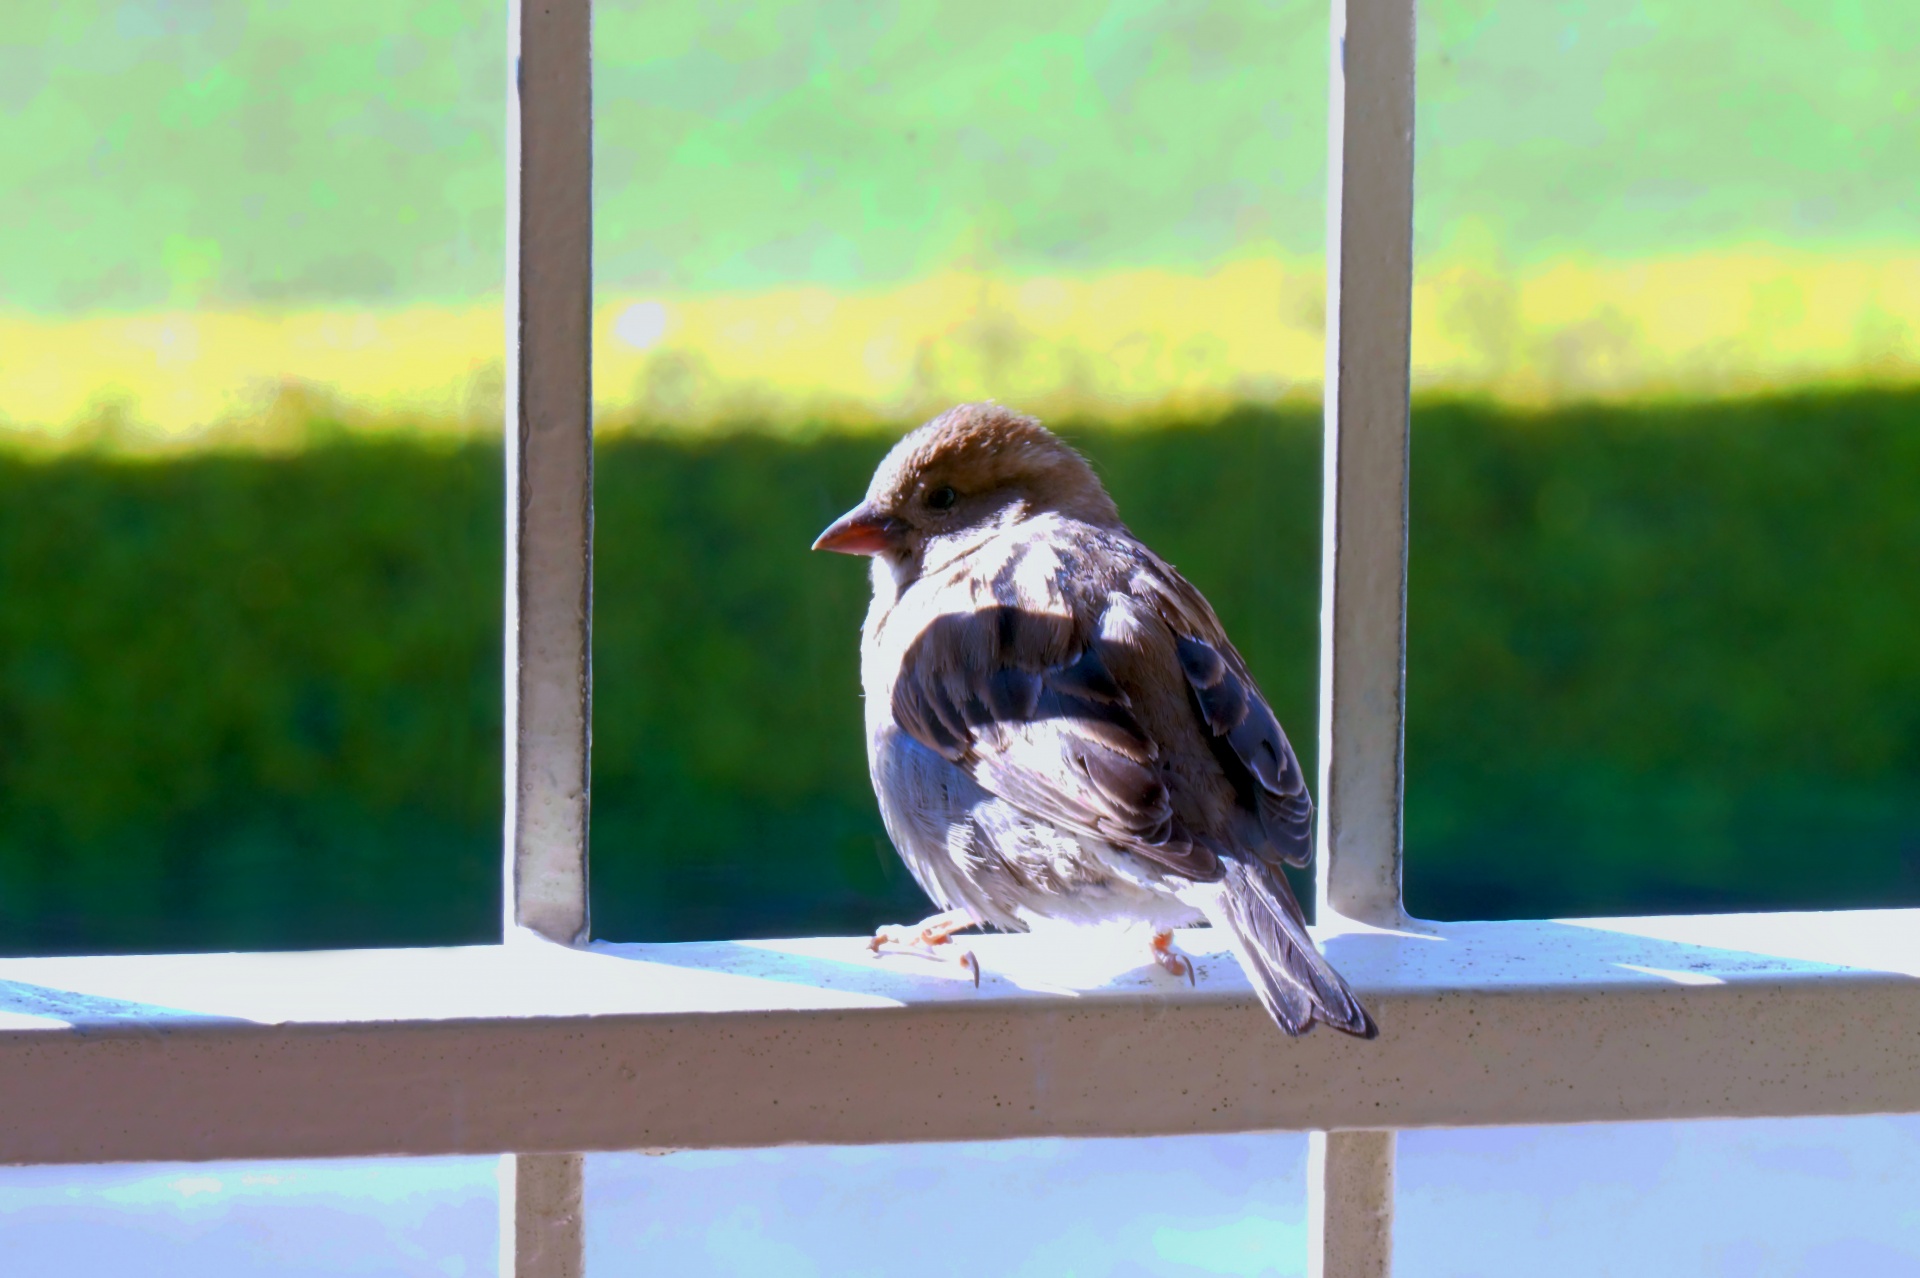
<point x="862" y="531"/>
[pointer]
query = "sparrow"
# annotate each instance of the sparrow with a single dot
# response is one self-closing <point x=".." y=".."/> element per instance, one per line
<point x="1057" y="725"/>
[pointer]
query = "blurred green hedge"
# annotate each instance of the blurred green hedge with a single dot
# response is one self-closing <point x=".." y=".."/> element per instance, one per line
<point x="1660" y="658"/>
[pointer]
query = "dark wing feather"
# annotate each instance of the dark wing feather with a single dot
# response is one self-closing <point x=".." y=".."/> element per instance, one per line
<point x="1246" y="737"/>
<point x="1252" y="748"/>
<point x="1031" y="710"/>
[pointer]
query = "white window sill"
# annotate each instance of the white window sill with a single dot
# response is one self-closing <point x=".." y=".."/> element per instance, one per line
<point x="533" y="1047"/>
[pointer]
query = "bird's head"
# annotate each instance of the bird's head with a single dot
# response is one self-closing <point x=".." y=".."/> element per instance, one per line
<point x="966" y="475"/>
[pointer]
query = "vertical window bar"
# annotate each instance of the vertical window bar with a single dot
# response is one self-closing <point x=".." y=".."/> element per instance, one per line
<point x="542" y="1221"/>
<point x="1363" y="574"/>
<point x="549" y="450"/>
<point x="1363" y="565"/>
<point x="549" y="587"/>
<point x="1350" y="1204"/>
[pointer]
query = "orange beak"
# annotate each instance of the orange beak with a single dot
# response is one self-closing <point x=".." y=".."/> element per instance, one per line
<point x="862" y="531"/>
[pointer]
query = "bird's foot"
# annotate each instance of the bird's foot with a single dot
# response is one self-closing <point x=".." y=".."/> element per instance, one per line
<point x="1176" y="963"/>
<point x="923" y="935"/>
<point x="927" y="938"/>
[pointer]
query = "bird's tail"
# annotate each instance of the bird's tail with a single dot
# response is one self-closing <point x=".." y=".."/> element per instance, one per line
<point x="1295" y="983"/>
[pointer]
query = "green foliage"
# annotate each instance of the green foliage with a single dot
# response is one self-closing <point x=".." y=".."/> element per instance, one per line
<point x="1659" y="658"/>
<point x="1665" y="657"/>
<point x="730" y="780"/>
<point x="249" y="701"/>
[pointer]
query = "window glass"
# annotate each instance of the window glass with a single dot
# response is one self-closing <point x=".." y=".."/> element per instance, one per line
<point x="417" y="1217"/>
<point x="1755" y="1198"/>
<point x="1666" y="327"/>
<point x="250" y="528"/>
<point x="1760" y="1198"/>
<point x="818" y="223"/>
<point x="1159" y="1206"/>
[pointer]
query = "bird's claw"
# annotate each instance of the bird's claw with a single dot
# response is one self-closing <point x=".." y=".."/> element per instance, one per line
<point x="1170" y="959"/>
<point x="924" y="940"/>
<point x="923" y="936"/>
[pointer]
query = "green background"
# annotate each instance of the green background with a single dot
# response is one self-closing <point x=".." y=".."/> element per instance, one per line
<point x="1661" y="655"/>
<point x="1659" y="659"/>
<point x="180" y="152"/>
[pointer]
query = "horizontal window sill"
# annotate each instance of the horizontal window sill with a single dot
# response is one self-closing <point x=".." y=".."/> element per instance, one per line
<point x="533" y="1047"/>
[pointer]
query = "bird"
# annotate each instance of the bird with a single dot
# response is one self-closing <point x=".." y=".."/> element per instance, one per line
<point x="1057" y="724"/>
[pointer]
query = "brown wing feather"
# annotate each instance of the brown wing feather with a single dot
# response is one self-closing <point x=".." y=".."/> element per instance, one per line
<point x="1025" y="701"/>
<point x="1246" y="737"/>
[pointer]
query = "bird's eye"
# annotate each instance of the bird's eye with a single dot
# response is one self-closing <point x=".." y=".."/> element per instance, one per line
<point x="942" y="498"/>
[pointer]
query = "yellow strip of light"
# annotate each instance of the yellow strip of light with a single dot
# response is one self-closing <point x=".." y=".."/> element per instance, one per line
<point x="1122" y="345"/>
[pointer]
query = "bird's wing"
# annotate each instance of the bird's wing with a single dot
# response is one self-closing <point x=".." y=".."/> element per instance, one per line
<point x="1246" y="737"/>
<point x="1024" y="700"/>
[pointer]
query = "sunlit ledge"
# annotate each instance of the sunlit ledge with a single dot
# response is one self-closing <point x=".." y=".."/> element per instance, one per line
<point x="533" y="1047"/>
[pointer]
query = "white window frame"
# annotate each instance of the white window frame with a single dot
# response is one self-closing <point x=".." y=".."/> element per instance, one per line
<point x="545" y="1045"/>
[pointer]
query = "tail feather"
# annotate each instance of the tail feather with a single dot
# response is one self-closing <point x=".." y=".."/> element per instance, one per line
<point x="1295" y="982"/>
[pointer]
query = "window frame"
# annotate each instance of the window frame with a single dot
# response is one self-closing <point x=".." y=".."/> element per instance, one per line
<point x="546" y="1045"/>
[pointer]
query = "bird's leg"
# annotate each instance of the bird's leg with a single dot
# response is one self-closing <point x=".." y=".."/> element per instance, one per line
<point x="924" y="937"/>
<point x="1161" y="947"/>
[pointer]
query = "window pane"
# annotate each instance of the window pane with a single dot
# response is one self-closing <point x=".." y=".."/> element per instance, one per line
<point x="1754" y="1198"/>
<point x="249" y="490"/>
<point x="1167" y="1205"/>
<point x="1667" y="313"/>
<point x="1757" y="1199"/>
<point x="431" y="1217"/>
<point x="818" y="223"/>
